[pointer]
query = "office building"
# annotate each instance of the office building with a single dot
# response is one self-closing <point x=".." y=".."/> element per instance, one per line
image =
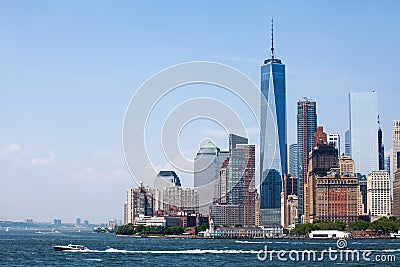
<point x="139" y="201"/>
<point x="322" y="159"/>
<point x="273" y="138"/>
<point x="242" y="181"/>
<point x="293" y="167"/>
<point x="207" y="164"/>
<point x="378" y="194"/>
<point x="347" y="143"/>
<point x="166" y="179"/>
<point x="336" y="198"/>
<point x="396" y="145"/>
<point x="306" y="127"/>
<point x="396" y="168"/>
<point x="381" y="151"/>
<point x="364" y="131"/>
<point x="335" y="139"/>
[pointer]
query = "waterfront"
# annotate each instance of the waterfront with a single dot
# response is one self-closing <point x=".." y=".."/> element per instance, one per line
<point x="34" y="248"/>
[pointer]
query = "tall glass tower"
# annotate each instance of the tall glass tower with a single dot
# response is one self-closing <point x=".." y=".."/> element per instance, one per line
<point x="364" y="131"/>
<point x="273" y="140"/>
<point x="306" y="127"/>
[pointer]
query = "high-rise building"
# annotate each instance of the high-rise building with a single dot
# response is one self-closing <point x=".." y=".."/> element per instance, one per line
<point x="336" y="197"/>
<point x="236" y="140"/>
<point x="306" y="127"/>
<point x="378" y="194"/>
<point x="139" y="202"/>
<point x="322" y="159"/>
<point x="320" y="137"/>
<point x="293" y="168"/>
<point x="242" y="181"/>
<point x="396" y="168"/>
<point x="362" y="184"/>
<point x="207" y="164"/>
<point x="335" y="139"/>
<point x="381" y="151"/>
<point x="363" y="131"/>
<point x="290" y="200"/>
<point x="224" y="182"/>
<point x="273" y="138"/>
<point x="347" y="143"/>
<point x="346" y="165"/>
<point x="165" y="179"/>
<point x="396" y="145"/>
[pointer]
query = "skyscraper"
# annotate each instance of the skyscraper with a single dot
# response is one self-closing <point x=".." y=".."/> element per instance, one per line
<point x="364" y="131"/>
<point x="293" y="168"/>
<point x="396" y="168"/>
<point x="378" y="194"/>
<point x="396" y="145"/>
<point x="335" y="139"/>
<point x="306" y="127"/>
<point x="381" y="150"/>
<point x="347" y="143"/>
<point x="273" y="139"/>
<point x="207" y="164"/>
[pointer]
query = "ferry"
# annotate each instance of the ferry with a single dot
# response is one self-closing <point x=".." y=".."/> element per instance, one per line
<point x="395" y="235"/>
<point x="70" y="247"/>
<point x="329" y="234"/>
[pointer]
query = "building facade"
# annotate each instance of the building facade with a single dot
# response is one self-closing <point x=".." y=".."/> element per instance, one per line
<point x="207" y="164"/>
<point x="306" y="127"/>
<point x="396" y="168"/>
<point x="293" y="161"/>
<point x="378" y="194"/>
<point x="139" y="201"/>
<point x="273" y="138"/>
<point x="363" y="120"/>
<point x="335" y="139"/>
<point x="242" y="181"/>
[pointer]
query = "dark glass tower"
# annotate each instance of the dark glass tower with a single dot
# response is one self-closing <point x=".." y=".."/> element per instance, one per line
<point x="273" y="152"/>
<point x="306" y="127"/>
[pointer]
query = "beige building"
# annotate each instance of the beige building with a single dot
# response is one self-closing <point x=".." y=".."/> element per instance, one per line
<point x="292" y="205"/>
<point x="396" y="168"/>
<point x="378" y="194"/>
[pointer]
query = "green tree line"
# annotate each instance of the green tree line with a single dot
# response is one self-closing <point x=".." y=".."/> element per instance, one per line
<point x="130" y="229"/>
<point x="384" y="226"/>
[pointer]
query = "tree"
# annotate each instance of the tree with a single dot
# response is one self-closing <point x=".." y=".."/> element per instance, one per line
<point x="203" y="227"/>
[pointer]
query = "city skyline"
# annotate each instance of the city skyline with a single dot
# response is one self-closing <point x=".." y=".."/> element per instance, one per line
<point x="67" y="84"/>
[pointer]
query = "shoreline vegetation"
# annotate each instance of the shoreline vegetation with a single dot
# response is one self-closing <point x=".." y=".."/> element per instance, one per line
<point x="379" y="229"/>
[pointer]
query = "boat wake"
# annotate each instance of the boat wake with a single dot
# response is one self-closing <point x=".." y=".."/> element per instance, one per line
<point x="189" y="251"/>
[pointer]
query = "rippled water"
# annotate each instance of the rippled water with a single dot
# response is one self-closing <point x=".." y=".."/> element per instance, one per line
<point x="34" y="248"/>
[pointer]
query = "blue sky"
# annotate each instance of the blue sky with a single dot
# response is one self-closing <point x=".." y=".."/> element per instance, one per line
<point x="68" y="70"/>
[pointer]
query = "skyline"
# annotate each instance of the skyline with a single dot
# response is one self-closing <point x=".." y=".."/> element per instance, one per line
<point x="66" y="84"/>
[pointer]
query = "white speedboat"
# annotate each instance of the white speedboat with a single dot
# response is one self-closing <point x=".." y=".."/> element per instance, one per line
<point x="70" y="247"/>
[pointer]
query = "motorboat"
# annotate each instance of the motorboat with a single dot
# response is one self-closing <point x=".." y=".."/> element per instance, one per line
<point x="70" y="247"/>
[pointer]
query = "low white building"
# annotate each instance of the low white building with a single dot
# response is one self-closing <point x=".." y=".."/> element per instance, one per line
<point x="329" y="234"/>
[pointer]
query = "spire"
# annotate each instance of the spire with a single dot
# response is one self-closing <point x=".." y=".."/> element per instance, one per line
<point x="272" y="39"/>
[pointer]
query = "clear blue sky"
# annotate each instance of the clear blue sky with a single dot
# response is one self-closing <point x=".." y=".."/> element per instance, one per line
<point x="69" y="68"/>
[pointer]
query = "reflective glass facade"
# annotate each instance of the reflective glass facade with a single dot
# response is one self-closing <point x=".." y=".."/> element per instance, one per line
<point x="364" y="131"/>
<point x="273" y="151"/>
<point x="306" y="127"/>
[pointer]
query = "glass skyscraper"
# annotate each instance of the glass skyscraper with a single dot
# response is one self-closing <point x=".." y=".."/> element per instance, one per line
<point x="364" y="131"/>
<point x="306" y="127"/>
<point x="273" y="140"/>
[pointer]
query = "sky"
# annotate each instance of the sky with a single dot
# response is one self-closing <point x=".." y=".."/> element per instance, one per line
<point x="68" y="70"/>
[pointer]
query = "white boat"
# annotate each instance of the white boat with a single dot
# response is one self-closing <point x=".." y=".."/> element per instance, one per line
<point x="70" y="247"/>
<point x="329" y="234"/>
<point x="7" y="229"/>
<point x="395" y="235"/>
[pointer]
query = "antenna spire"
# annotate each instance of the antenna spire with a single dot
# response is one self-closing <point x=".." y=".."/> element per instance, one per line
<point x="272" y="39"/>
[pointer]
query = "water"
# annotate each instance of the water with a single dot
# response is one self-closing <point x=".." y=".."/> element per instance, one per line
<point x="34" y="248"/>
